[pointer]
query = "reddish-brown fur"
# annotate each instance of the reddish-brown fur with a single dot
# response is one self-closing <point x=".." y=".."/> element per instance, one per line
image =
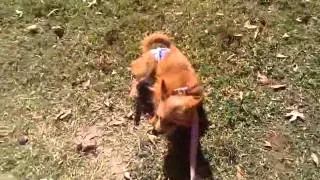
<point x="171" y="73"/>
<point x="174" y="71"/>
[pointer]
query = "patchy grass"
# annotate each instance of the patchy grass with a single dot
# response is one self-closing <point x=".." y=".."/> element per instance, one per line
<point x="42" y="75"/>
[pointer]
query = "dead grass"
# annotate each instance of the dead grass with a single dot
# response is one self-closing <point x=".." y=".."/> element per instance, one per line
<point x="42" y="75"/>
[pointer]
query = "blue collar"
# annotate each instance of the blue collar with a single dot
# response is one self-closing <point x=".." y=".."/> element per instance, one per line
<point x="159" y="53"/>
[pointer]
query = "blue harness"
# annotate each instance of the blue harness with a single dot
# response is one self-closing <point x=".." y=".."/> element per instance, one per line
<point x="159" y="53"/>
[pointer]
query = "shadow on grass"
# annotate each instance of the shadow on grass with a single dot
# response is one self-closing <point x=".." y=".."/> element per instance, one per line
<point x="176" y="162"/>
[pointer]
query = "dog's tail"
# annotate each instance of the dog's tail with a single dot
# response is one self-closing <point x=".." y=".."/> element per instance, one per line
<point x="155" y="38"/>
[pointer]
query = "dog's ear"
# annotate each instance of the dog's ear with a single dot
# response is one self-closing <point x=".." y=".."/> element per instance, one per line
<point x="193" y="102"/>
<point x="164" y="90"/>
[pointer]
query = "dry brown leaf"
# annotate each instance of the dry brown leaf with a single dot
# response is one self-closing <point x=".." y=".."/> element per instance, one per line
<point x="88" y="139"/>
<point x="315" y="159"/>
<point x="240" y="174"/>
<point x="294" y="115"/>
<point x="281" y="56"/>
<point x="249" y="26"/>
<point x="263" y="79"/>
<point x="278" y="87"/>
<point x="276" y="141"/>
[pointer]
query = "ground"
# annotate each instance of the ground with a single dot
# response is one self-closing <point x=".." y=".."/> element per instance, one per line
<point x="239" y="48"/>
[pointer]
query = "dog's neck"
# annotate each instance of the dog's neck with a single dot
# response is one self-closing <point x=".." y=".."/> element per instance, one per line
<point x="159" y="53"/>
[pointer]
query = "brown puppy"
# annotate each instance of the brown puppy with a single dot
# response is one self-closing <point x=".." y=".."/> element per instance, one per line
<point x="177" y="91"/>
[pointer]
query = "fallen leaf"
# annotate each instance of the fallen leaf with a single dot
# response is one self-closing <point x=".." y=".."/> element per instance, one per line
<point x="86" y="84"/>
<point x="178" y="13"/>
<point x="294" y="115"/>
<point x="281" y="56"/>
<point x="88" y="139"/>
<point x="276" y="141"/>
<point x="249" y="26"/>
<point x="19" y="13"/>
<point x="315" y="159"/>
<point x="240" y="174"/>
<point x="263" y="79"/>
<point x="278" y="87"/>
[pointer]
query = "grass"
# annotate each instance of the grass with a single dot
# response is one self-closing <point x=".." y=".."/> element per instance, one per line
<point x="42" y="75"/>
